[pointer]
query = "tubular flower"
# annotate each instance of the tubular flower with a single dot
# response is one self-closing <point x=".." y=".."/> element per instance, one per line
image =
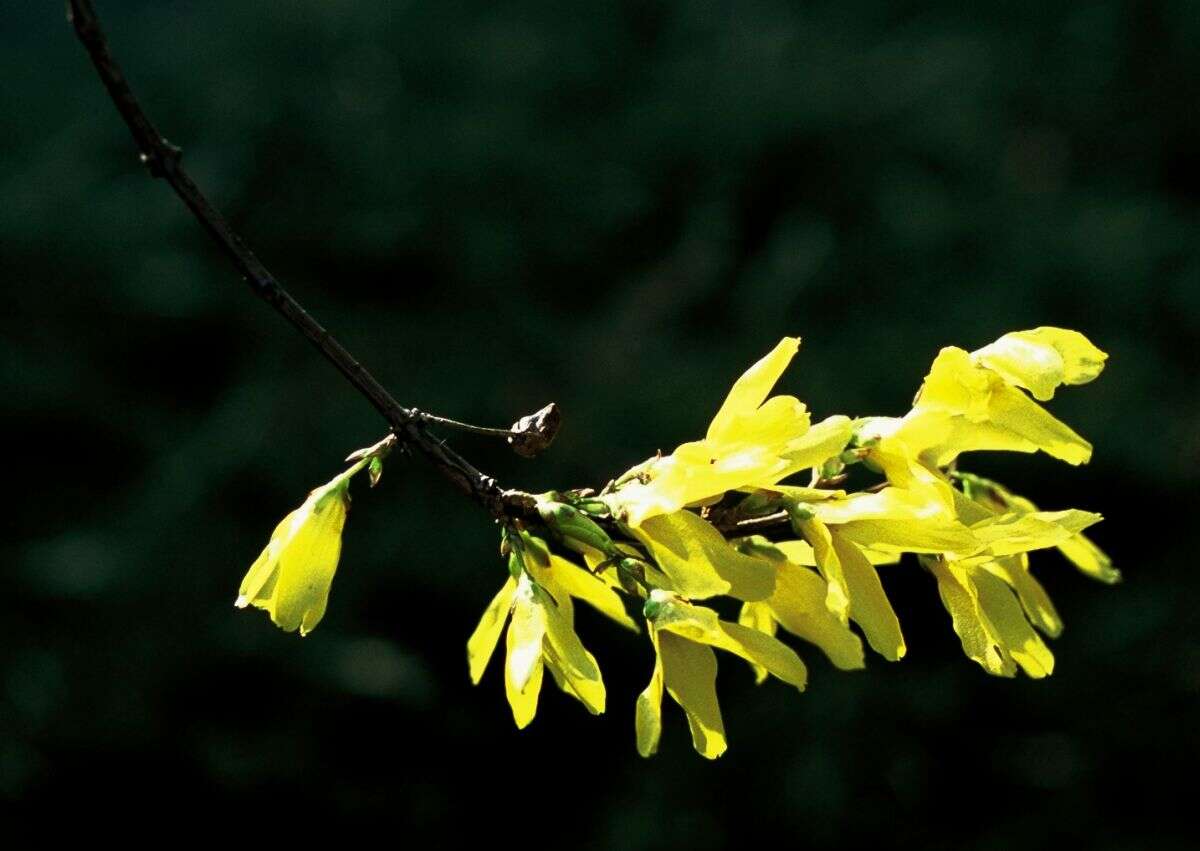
<point x="685" y="665"/>
<point x="973" y="400"/>
<point x="290" y="579"/>
<point x="751" y="441"/>
<point x="541" y="633"/>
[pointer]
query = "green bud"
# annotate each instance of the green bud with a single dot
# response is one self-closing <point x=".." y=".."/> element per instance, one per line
<point x="652" y="609"/>
<point x="594" y="507"/>
<point x="375" y="469"/>
<point x="831" y="468"/>
<point x="573" y="526"/>
<point x="516" y="565"/>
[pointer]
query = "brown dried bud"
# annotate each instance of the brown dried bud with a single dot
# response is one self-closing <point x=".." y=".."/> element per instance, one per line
<point x="530" y="435"/>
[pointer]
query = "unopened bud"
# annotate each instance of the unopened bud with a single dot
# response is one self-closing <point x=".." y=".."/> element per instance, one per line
<point x="573" y="526"/>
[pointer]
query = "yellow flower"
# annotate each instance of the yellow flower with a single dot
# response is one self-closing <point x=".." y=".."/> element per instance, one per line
<point x="752" y="441"/>
<point x="1078" y="549"/>
<point x="698" y="562"/>
<point x="989" y="620"/>
<point x="541" y="631"/>
<point x="291" y="577"/>
<point x="798" y="605"/>
<point x="971" y="401"/>
<point x="685" y="665"/>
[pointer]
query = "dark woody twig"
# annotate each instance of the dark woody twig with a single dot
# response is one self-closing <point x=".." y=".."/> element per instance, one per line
<point x="164" y="160"/>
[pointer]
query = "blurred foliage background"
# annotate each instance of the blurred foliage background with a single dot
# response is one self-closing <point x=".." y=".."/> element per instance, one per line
<point x="618" y="207"/>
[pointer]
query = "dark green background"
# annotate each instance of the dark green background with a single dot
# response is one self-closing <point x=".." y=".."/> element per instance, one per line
<point x="616" y="206"/>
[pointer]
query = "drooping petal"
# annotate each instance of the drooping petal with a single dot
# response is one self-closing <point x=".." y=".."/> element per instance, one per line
<point x="758" y="616"/>
<point x="1090" y="559"/>
<point x="588" y="692"/>
<point x="523" y="700"/>
<point x="869" y="605"/>
<point x="648" y="714"/>
<point x="977" y="409"/>
<point x="702" y="625"/>
<point x="1038" y="607"/>
<point x="837" y="597"/>
<point x="980" y="640"/>
<point x="259" y="583"/>
<point x="700" y="562"/>
<point x="999" y="604"/>
<point x="585" y="586"/>
<point x="526" y="630"/>
<point x="576" y="664"/>
<point x="798" y="605"/>
<point x="1078" y="549"/>
<point x="689" y="672"/>
<point x="308" y="559"/>
<point x="1012" y="410"/>
<point x="752" y="388"/>
<point x="482" y="643"/>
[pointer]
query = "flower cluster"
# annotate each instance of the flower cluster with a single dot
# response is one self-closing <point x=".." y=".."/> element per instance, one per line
<point x="725" y="517"/>
<point x="761" y="510"/>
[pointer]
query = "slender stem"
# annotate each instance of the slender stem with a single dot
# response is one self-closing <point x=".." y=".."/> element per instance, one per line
<point x="164" y="160"/>
<point x="467" y="427"/>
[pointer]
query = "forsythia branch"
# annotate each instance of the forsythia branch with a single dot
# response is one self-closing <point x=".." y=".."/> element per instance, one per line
<point x="720" y="517"/>
<point x="165" y="161"/>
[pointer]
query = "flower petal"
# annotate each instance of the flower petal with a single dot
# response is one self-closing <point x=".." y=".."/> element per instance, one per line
<point x="483" y="640"/>
<point x="576" y="664"/>
<point x="1090" y="559"/>
<point x="523" y="700"/>
<point x="749" y="391"/>
<point x="1008" y="534"/>
<point x="648" y="715"/>
<point x="585" y="586"/>
<point x="869" y="605"/>
<point x="1043" y="359"/>
<point x="837" y="597"/>
<point x="690" y="677"/>
<point x="526" y="630"/>
<point x="1014" y="570"/>
<point x="980" y="640"/>
<point x="758" y="616"/>
<point x="1003" y="611"/>
<point x="307" y="562"/>
<point x="700" y="624"/>
<point x="700" y="562"/>
<point x="259" y="583"/>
